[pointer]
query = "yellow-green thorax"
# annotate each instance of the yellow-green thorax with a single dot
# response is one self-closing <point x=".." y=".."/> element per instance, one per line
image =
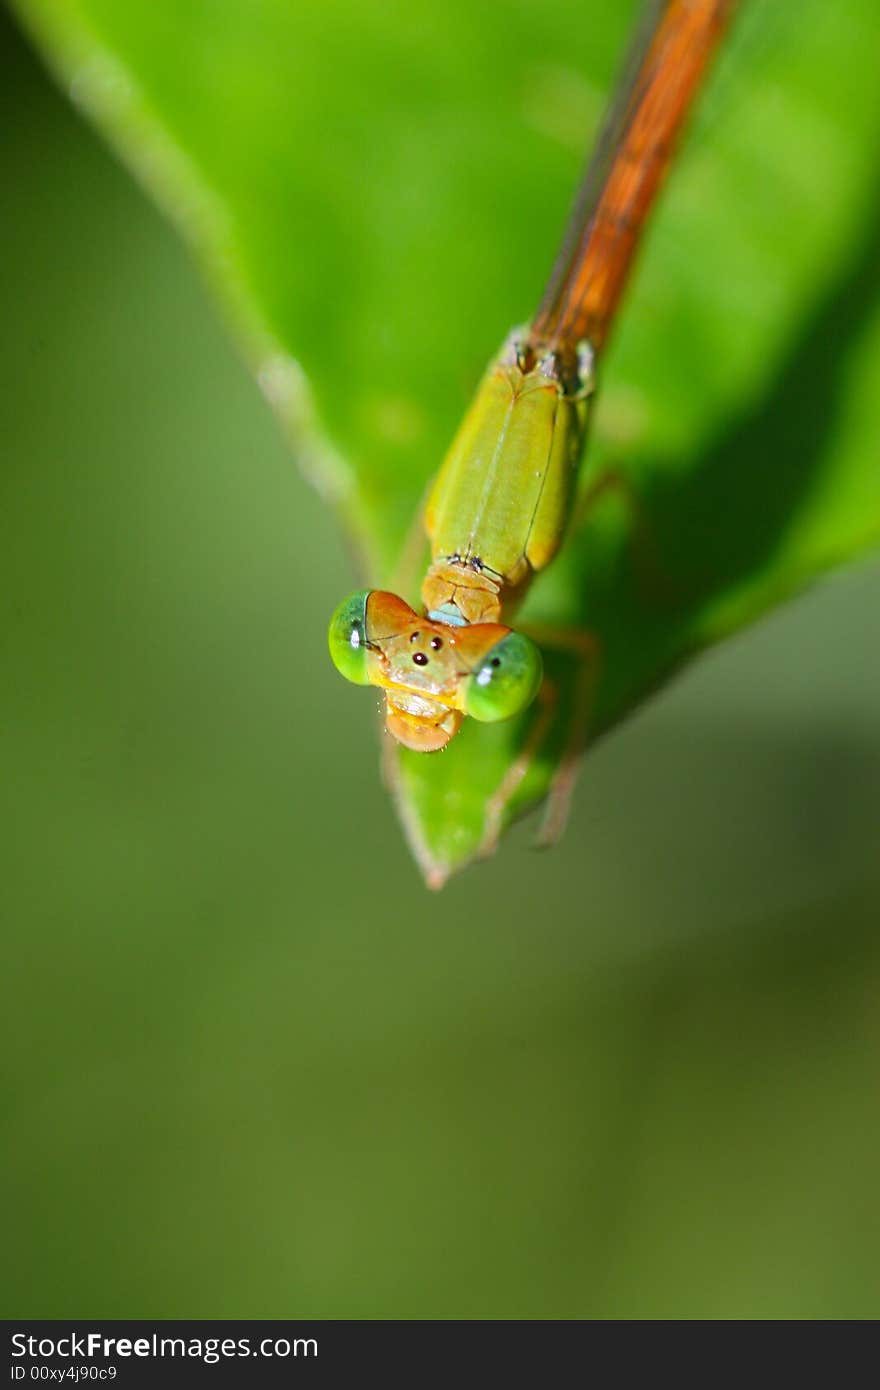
<point x="499" y="507"/>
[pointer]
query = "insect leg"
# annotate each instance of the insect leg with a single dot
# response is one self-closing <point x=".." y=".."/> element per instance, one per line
<point x="584" y="647"/>
<point x="652" y="575"/>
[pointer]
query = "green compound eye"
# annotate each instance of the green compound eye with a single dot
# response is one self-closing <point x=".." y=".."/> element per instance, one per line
<point x="506" y="681"/>
<point x="347" y="638"/>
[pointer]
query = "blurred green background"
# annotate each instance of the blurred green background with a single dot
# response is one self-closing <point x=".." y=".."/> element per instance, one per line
<point x="252" y="1067"/>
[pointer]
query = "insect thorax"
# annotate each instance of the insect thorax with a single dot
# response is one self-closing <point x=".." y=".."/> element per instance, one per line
<point x="458" y="591"/>
<point x="499" y="506"/>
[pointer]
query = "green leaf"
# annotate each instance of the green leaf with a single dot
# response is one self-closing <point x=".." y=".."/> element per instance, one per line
<point x="378" y="190"/>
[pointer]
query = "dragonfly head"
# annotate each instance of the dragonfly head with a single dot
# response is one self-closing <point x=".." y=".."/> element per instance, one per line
<point x="432" y="673"/>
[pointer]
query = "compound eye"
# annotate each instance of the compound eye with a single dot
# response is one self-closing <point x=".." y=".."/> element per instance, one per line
<point x="347" y="638"/>
<point x="506" y="681"/>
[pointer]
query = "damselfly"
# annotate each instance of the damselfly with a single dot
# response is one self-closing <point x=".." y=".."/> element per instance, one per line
<point x="498" y="511"/>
